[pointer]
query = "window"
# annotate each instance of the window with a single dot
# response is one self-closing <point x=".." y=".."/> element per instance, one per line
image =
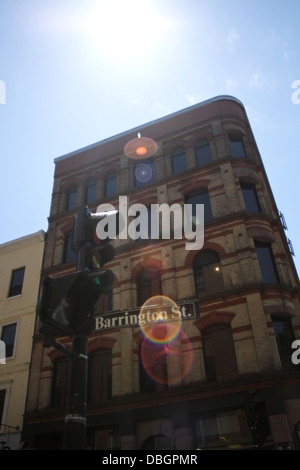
<point x="266" y="263"/>
<point x="8" y="335"/>
<point x="71" y="197"/>
<point x="219" y="353"/>
<point x="200" y="198"/>
<point x="148" y="285"/>
<point x="100" y="376"/>
<point x="69" y="255"/>
<point x="110" y="184"/>
<point x="153" y="368"/>
<point x="90" y="191"/>
<point x="16" y="282"/>
<point x="207" y="272"/>
<point x="237" y="146"/>
<point x="143" y="173"/>
<point x="178" y="160"/>
<point x="250" y="197"/>
<point x="284" y="335"/>
<point x="60" y="382"/>
<point x="203" y="153"/>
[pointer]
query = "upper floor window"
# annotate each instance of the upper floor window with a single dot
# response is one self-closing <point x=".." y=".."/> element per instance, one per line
<point x="284" y="335"/>
<point x="100" y="376"/>
<point x="203" y="153"/>
<point x="16" y="282"/>
<point x="201" y="197"/>
<point x="153" y="368"/>
<point x="69" y="255"/>
<point x="71" y="197"/>
<point x="143" y="173"/>
<point x="237" y="146"/>
<point x="250" y="197"/>
<point x="148" y="285"/>
<point x="266" y="262"/>
<point x="90" y="191"/>
<point x="8" y="335"/>
<point x="219" y="352"/>
<point x="207" y="272"/>
<point x="110" y="184"/>
<point x="179" y="160"/>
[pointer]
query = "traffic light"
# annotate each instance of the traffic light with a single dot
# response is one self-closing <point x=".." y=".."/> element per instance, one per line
<point x="65" y="303"/>
<point x="93" y="252"/>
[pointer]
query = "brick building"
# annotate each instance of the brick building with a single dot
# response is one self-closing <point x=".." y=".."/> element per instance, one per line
<point x="238" y="295"/>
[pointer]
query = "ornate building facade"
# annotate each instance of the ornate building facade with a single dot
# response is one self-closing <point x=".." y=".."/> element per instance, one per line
<point x="238" y="296"/>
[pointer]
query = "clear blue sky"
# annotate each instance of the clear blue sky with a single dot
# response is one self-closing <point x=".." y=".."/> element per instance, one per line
<point x="76" y="72"/>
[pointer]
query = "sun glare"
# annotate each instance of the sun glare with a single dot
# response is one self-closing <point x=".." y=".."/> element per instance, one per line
<point x="125" y="29"/>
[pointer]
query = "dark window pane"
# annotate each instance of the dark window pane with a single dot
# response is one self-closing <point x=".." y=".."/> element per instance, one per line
<point x="16" y="282"/>
<point x="71" y="198"/>
<point x="148" y="285"/>
<point x="219" y="352"/>
<point x="60" y="382"/>
<point x="8" y="337"/>
<point x="200" y="198"/>
<point x="250" y="197"/>
<point x="203" y="154"/>
<point x="207" y="273"/>
<point x="110" y="184"/>
<point x="237" y="147"/>
<point x="284" y="335"/>
<point x="143" y="173"/>
<point x="69" y="255"/>
<point x="179" y="161"/>
<point x="100" y="376"/>
<point x="266" y="263"/>
<point x="90" y="192"/>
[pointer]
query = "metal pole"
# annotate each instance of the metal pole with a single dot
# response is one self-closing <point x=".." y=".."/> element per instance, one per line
<point x="75" y="418"/>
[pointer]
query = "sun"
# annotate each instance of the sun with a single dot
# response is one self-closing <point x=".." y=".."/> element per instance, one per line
<point x="124" y="29"/>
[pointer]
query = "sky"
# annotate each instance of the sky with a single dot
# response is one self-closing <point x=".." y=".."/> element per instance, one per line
<point x="73" y="73"/>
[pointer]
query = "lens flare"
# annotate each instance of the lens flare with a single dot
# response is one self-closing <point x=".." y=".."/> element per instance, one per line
<point x="167" y="363"/>
<point x="160" y="319"/>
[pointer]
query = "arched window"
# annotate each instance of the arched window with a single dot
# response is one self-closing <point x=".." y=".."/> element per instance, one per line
<point x="250" y="197"/>
<point x="237" y="146"/>
<point x="266" y="262"/>
<point x="284" y="335"/>
<point x="110" y="184"/>
<point x="207" y="272"/>
<point x="203" y="152"/>
<point x="178" y="160"/>
<point x="148" y="285"/>
<point x="219" y="352"/>
<point x="100" y="375"/>
<point x="71" y="197"/>
<point x="90" y="191"/>
<point x="201" y="197"/>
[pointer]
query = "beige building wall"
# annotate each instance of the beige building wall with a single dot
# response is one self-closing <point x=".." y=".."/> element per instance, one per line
<point x="17" y="307"/>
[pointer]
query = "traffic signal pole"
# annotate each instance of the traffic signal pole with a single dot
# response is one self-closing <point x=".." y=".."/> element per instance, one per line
<point x="75" y="417"/>
<point x="64" y="309"/>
